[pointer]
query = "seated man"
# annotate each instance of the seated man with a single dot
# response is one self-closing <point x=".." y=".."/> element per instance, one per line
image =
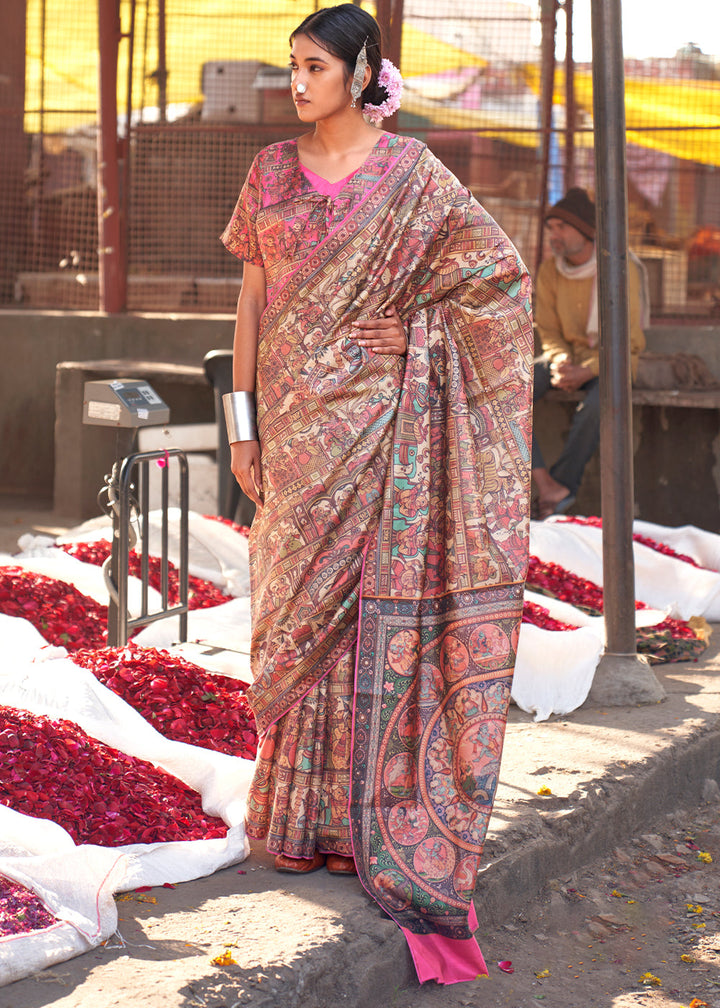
<point x="566" y="316"/>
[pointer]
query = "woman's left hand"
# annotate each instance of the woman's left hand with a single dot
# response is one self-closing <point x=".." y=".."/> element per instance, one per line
<point x="384" y="335"/>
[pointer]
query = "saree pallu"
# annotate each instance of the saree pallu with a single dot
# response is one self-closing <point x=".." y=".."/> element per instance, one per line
<point x="395" y="525"/>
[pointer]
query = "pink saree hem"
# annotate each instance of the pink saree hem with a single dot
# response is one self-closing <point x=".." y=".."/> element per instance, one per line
<point x="445" y="960"/>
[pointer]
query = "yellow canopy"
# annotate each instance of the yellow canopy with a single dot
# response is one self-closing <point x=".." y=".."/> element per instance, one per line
<point x="674" y="116"/>
<point x="196" y="33"/>
<point x="689" y="111"/>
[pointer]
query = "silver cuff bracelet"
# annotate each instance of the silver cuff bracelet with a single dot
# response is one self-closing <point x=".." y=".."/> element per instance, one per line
<point x="240" y="416"/>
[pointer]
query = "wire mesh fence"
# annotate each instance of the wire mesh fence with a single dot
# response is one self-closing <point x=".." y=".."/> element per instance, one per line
<point x="202" y="87"/>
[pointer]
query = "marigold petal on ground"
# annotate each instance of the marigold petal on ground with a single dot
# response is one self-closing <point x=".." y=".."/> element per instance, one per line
<point x="225" y="959"/>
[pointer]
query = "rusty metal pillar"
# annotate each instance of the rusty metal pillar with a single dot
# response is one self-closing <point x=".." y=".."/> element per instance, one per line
<point x="390" y="19"/>
<point x="570" y="105"/>
<point x="113" y="279"/>
<point x="548" y="11"/>
<point x="162" y="71"/>
<point x="622" y="677"/>
<point x="13" y="215"/>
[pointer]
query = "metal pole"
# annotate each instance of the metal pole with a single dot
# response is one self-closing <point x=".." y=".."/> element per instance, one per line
<point x="622" y="677"/>
<point x="162" y="73"/>
<point x="548" y="9"/>
<point x="125" y="188"/>
<point x="390" y="19"/>
<point x="570" y="107"/>
<point x="113" y="281"/>
<point x="39" y="216"/>
<point x="13" y="44"/>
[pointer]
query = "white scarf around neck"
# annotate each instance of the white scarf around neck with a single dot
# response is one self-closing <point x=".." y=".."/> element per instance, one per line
<point x="589" y="269"/>
<point x="582" y="272"/>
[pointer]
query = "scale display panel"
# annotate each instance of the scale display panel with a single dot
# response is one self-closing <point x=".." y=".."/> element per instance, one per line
<point x="123" y="402"/>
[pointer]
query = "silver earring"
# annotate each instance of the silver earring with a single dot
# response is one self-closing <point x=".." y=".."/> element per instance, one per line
<point x="356" y="88"/>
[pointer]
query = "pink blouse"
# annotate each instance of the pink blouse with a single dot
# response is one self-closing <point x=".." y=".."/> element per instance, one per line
<point x="322" y="185"/>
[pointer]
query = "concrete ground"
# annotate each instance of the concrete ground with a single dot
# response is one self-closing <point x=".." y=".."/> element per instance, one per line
<point x="318" y="942"/>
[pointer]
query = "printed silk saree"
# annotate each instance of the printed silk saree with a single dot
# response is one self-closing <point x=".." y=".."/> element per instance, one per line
<point x="393" y="540"/>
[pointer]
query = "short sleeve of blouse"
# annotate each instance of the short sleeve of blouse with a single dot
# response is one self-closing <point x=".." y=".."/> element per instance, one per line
<point x="240" y="235"/>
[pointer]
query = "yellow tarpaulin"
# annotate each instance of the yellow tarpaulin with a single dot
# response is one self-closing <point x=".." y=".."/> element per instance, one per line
<point x="675" y="116"/>
<point x="196" y="33"/>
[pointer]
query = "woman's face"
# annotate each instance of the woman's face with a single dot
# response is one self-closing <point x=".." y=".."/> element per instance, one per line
<point x="324" y="78"/>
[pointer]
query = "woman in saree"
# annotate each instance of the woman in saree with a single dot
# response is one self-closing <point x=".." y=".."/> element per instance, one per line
<point x="380" y="422"/>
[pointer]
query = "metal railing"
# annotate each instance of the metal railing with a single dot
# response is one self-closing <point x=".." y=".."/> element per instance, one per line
<point x="128" y="500"/>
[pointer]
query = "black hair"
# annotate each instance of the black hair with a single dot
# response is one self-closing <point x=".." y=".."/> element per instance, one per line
<point x="341" y="31"/>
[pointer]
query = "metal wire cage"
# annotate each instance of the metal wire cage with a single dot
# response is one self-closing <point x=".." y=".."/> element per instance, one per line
<point x="188" y="93"/>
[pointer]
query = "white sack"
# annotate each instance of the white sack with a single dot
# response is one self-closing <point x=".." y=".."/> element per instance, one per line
<point x="75" y="883"/>
<point x="216" y="552"/>
<point x="554" y="669"/>
<point x="660" y="581"/>
<point x="702" y="546"/>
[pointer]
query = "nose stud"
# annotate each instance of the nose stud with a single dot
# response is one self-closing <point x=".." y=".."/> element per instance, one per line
<point x="301" y="88"/>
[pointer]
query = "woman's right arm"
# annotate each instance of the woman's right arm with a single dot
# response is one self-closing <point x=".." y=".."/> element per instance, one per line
<point x="245" y="455"/>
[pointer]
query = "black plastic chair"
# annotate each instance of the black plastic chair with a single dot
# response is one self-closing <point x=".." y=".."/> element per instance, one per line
<point x="232" y="503"/>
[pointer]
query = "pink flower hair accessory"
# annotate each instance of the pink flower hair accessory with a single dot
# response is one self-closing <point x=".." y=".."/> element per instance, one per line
<point x="390" y="79"/>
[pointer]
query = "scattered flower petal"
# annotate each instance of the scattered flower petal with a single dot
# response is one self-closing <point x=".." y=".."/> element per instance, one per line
<point x="650" y="980"/>
<point x="226" y="959"/>
<point x="506" y="966"/>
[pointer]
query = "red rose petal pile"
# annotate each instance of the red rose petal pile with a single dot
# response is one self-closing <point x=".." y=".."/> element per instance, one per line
<point x="54" y="770"/>
<point x="182" y="701"/>
<point x="551" y="579"/>
<point x="21" y="910"/>
<point x="201" y="594"/>
<point x="539" y="616"/>
<point x="594" y="522"/>
<point x="62" y="614"/>
<point x="671" y="640"/>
